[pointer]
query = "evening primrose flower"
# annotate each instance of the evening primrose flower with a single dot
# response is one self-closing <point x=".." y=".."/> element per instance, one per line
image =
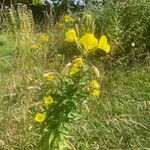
<point x="74" y="70"/>
<point x="44" y="38"/>
<point x="95" y="93"/>
<point x="78" y="62"/>
<point x="48" y="100"/>
<point x="88" y="41"/>
<point x="48" y="76"/>
<point x="40" y="117"/>
<point x="94" y="84"/>
<point x="76" y="66"/>
<point x="103" y="44"/>
<point x="68" y="18"/>
<point x="70" y="35"/>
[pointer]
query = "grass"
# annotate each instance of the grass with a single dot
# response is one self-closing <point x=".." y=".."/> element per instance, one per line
<point x="119" y="119"/>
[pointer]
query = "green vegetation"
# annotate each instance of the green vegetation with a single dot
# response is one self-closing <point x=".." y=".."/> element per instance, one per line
<point x="60" y="90"/>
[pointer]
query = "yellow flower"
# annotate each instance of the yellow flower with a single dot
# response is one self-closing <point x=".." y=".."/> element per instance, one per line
<point x="95" y="93"/>
<point x="44" y="38"/>
<point x="48" y="100"/>
<point x="48" y="76"/>
<point x="76" y="66"/>
<point x="88" y="41"/>
<point x="68" y="18"/>
<point x="70" y="36"/>
<point x="94" y="84"/>
<point x="40" y="117"/>
<point x="103" y="44"/>
<point x="74" y="69"/>
<point x="78" y="62"/>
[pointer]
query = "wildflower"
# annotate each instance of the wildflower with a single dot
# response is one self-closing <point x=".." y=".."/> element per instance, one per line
<point x="88" y="41"/>
<point x="74" y="69"/>
<point x="76" y="66"/>
<point x="48" y="76"/>
<point x="95" y="92"/>
<point x="44" y="38"/>
<point x="94" y="84"/>
<point x="40" y="117"/>
<point x="68" y="18"/>
<point x="103" y="44"/>
<point x="78" y="62"/>
<point x="48" y="100"/>
<point x="70" y="36"/>
<point x="96" y="71"/>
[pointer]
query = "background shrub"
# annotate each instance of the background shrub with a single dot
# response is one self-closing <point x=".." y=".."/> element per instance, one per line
<point x="127" y="25"/>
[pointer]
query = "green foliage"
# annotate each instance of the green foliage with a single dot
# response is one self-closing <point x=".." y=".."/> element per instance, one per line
<point x="120" y="119"/>
<point x="37" y="2"/>
<point x="126" y="24"/>
<point x="69" y="95"/>
<point x="116" y="118"/>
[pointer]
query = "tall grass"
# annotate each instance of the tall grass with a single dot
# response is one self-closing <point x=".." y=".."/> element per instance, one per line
<point x="119" y="119"/>
<point x="127" y="25"/>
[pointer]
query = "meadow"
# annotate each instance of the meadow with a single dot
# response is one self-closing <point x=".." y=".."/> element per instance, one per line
<point x="79" y="83"/>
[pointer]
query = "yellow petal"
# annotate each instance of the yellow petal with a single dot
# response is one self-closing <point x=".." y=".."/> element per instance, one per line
<point x="88" y="41"/>
<point x="40" y="117"/>
<point x="48" y="76"/>
<point x="48" y="100"/>
<point x="95" y="93"/>
<point x="74" y="70"/>
<point x="44" y="38"/>
<point x="103" y="44"/>
<point x="76" y="65"/>
<point x="107" y="48"/>
<point x="70" y="36"/>
<point x="78" y="62"/>
<point x="94" y="84"/>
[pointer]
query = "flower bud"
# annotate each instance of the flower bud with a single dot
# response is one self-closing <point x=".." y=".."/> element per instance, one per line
<point x="96" y="71"/>
<point x="67" y="69"/>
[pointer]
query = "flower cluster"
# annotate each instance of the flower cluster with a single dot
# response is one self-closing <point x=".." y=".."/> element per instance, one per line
<point x="40" y="117"/>
<point x="88" y="41"/>
<point x="48" y="101"/>
<point x="70" y="89"/>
